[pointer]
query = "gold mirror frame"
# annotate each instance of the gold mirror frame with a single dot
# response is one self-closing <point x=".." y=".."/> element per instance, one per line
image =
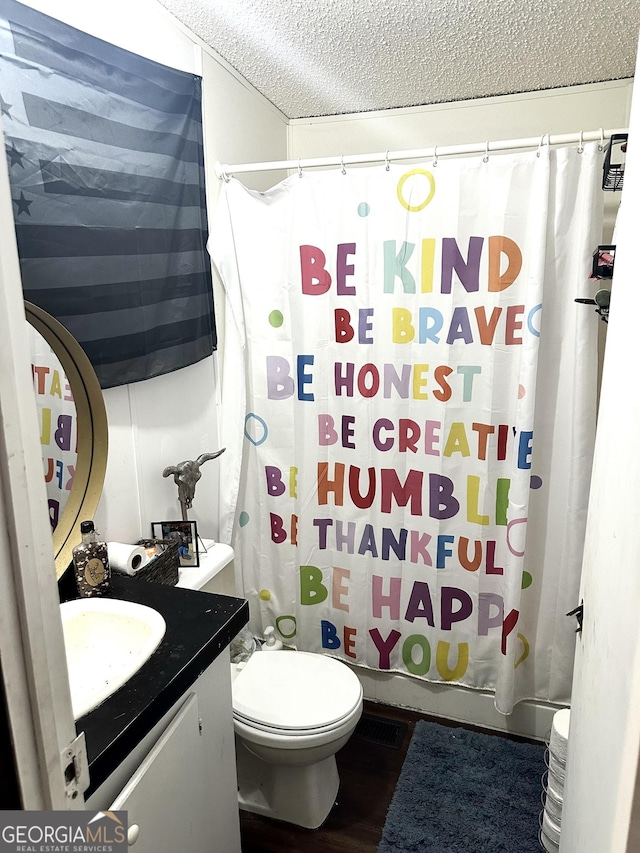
<point x="93" y="434"/>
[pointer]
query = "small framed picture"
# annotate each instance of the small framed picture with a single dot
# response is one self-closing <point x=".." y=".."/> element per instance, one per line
<point x="185" y="533"/>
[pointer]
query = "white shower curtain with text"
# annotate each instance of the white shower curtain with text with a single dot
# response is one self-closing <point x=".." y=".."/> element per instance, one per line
<point x="408" y="406"/>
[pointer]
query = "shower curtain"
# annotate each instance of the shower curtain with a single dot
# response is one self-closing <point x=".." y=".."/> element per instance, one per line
<point x="408" y="406"/>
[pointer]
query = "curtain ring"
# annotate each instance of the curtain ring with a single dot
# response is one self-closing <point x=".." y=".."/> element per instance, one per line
<point x="435" y="156"/>
<point x="387" y="165"/>
<point x="226" y="177"/>
<point x="580" y="144"/>
<point x="485" y="159"/>
<point x="344" y="171"/>
<point x="540" y="144"/>
<point x="601" y="143"/>
<point x="299" y="169"/>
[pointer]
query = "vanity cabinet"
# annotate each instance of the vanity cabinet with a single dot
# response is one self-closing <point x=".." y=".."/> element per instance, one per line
<point x="179" y="785"/>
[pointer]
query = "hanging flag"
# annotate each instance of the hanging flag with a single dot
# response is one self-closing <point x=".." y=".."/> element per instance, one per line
<point x="106" y="168"/>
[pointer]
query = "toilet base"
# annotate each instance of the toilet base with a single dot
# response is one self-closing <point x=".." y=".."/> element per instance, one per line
<point x="303" y="795"/>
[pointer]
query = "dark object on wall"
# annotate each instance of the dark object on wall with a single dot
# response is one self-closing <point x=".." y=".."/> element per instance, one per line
<point x="106" y="166"/>
<point x="578" y="612"/>
<point x="601" y="300"/>
<point x="614" y="160"/>
<point x="603" y="261"/>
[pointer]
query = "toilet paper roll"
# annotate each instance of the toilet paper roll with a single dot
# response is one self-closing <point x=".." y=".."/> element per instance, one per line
<point x="549" y="845"/>
<point x="550" y="828"/>
<point x="555" y="787"/>
<point x="560" y="734"/>
<point x="557" y="768"/>
<point x="126" y="559"/>
<point x="553" y="808"/>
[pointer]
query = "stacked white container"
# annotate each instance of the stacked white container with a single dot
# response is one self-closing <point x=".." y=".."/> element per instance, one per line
<point x="553" y="783"/>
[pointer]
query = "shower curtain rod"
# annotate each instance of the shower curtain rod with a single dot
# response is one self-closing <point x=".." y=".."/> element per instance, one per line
<point x="224" y="170"/>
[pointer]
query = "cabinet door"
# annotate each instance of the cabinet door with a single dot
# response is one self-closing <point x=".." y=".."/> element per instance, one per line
<point x="166" y="796"/>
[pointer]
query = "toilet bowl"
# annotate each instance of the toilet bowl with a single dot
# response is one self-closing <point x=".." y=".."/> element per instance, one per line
<point x="292" y="712"/>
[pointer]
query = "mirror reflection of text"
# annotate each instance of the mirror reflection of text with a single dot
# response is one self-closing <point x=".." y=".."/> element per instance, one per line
<point x="57" y="424"/>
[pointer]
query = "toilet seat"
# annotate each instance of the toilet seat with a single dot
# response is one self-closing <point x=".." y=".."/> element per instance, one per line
<point x="295" y="693"/>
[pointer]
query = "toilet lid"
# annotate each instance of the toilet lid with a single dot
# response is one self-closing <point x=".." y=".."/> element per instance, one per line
<point x="295" y="690"/>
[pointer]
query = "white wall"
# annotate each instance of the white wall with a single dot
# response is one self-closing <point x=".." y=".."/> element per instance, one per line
<point x="170" y="418"/>
<point x="533" y="114"/>
<point x="601" y="810"/>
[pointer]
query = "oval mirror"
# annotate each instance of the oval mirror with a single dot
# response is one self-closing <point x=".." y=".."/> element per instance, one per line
<point x="92" y="433"/>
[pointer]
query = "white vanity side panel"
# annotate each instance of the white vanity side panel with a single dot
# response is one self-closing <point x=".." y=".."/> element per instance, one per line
<point x="165" y="799"/>
<point x="217" y="774"/>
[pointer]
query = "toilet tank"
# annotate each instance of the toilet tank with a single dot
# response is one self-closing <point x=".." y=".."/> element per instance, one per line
<point x="215" y="573"/>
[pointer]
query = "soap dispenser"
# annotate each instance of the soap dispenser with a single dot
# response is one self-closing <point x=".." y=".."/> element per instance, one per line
<point x="271" y="642"/>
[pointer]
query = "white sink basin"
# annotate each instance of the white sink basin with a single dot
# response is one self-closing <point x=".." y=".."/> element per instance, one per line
<point x="107" y="641"/>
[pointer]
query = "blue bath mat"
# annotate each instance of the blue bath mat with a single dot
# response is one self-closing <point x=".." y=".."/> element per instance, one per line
<point x="463" y="791"/>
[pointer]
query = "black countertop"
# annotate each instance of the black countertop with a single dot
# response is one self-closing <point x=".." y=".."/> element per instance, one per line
<point x="199" y="626"/>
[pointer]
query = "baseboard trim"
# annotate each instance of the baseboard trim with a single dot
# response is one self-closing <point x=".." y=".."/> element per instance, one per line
<point x="530" y="718"/>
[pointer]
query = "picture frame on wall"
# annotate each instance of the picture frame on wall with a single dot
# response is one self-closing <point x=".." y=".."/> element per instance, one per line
<point x="186" y="534"/>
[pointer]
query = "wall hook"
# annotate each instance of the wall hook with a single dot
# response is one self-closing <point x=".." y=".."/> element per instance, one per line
<point x="601" y="300"/>
<point x="578" y="612"/>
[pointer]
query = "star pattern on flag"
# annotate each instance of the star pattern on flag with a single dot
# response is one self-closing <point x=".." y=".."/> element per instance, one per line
<point x="5" y="107"/>
<point x="23" y="204"/>
<point x="15" y="156"/>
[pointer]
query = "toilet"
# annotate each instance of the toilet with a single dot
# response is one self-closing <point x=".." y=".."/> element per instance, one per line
<point x="292" y="712"/>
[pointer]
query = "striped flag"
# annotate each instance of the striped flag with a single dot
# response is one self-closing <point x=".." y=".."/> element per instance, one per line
<point x="106" y="167"/>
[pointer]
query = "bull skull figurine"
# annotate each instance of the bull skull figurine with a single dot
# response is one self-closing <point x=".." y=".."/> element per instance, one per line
<point x="186" y="475"/>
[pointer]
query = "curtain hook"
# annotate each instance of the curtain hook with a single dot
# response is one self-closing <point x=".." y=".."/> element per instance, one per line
<point x="226" y="177"/>
<point x="299" y="169"/>
<point x="540" y="144"/>
<point x="601" y="144"/>
<point x="344" y="171"/>
<point x="485" y="159"/>
<point x="435" y="156"/>
<point x="580" y="144"/>
<point x="387" y="165"/>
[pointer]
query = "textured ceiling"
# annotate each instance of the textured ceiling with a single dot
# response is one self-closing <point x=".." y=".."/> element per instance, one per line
<point x="326" y="57"/>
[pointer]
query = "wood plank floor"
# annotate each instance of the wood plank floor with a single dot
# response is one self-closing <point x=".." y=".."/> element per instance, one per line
<point x="368" y="775"/>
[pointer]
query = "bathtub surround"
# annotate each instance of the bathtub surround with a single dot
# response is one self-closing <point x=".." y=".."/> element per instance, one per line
<point x="465" y="791"/>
